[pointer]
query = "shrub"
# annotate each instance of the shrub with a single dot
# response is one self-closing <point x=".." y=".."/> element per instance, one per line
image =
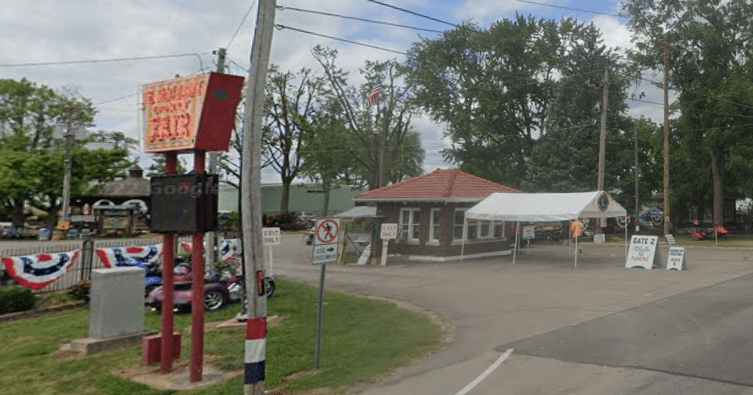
<point x="80" y="291"/>
<point x="13" y="299"/>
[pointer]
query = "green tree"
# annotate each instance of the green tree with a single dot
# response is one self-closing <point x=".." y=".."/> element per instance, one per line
<point x="712" y="72"/>
<point x="384" y="148"/>
<point x="291" y="103"/>
<point x="31" y="160"/>
<point x="566" y="158"/>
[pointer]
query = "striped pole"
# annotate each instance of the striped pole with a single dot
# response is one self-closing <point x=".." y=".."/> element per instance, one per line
<point x="256" y="346"/>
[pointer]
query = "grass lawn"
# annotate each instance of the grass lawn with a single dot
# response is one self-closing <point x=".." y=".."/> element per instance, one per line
<point x="363" y="338"/>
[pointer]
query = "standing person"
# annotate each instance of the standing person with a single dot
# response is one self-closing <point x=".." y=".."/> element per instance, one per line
<point x="576" y="231"/>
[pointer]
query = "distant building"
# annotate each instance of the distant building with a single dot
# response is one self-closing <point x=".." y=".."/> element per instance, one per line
<point x="304" y="197"/>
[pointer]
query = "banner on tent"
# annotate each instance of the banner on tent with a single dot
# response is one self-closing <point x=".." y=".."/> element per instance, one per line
<point x="643" y="252"/>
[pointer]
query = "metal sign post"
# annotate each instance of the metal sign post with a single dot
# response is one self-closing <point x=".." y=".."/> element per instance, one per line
<point x="326" y="236"/>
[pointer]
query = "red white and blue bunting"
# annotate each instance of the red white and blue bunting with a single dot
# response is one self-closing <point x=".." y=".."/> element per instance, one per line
<point x="228" y="247"/>
<point x="38" y="271"/>
<point x="121" y="256"/>
<point x="256" y="350"/>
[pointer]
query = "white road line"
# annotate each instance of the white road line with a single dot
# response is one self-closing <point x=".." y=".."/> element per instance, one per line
<point x="487" y="372"/>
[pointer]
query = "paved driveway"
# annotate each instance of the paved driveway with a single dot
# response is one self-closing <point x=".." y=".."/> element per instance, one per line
<point x="597" y="329"/>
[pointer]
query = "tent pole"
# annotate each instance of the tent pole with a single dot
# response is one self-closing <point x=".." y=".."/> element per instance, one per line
<point x="462" y="244"/>
<point x="626" y="237"/>
<point x="515" y="246"/>
<point x="576" y="251"/>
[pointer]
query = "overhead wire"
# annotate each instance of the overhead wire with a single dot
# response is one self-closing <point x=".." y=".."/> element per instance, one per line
<point x="283" y="8"/>
<point x="240" y="25"/>
<point x="281" y="27"/>
<point x="570" y="8"/>
<point x="136" y="58"/>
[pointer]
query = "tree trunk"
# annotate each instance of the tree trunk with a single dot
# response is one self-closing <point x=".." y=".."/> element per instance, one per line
<point x="285" y="200"/>
<point x="718" y="160"/>
<point x="18" y="213"/>
<point x="326" y="186"/>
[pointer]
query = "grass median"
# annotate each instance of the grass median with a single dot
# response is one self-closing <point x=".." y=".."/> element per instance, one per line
<point x="363" y="339"/>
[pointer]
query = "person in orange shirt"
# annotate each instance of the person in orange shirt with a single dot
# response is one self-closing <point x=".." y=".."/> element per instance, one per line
<point x="576" y="231"/>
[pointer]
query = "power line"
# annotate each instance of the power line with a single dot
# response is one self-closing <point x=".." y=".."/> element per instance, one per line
<point x="415" y="13"/>
<point x="251" y="6"/>
<point x="339" y="39"/>
<point x="106" y="60"/>
<point x="282" y="8"/>
<point x="569" y="8"/>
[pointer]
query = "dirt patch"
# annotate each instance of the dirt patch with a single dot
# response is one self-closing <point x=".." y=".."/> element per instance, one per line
<point x="179" y="378"/>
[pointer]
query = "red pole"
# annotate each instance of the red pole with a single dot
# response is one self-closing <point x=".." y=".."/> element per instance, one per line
<point x="168" y="286"/>
<point x="197" y="297"/>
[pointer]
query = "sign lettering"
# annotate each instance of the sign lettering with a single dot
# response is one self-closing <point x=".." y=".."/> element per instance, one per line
<point x="643" y="252"/>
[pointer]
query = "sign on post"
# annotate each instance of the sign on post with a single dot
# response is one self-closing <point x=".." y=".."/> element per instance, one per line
<point x="270" y="236"/>
<point x="389" y="232"/>
<point x="643" y="252"/>
<point x="529" y="232"/>
<point x="676" y="259"/>
<point x="326" y="236"/>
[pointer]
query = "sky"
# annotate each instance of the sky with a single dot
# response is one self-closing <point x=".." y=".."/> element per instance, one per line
<point x="65" y="44"/>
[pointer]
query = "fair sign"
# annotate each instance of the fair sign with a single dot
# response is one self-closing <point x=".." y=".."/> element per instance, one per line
<point x="643" y="252"/>
<point x="270" y="236"/>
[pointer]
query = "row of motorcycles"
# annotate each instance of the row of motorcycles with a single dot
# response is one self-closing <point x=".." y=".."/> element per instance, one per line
<point x="220" y="289"/>
<point x="708" y="234"/>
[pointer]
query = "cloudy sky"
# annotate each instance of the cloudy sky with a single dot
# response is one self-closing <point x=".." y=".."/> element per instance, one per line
<point x="63" y="43"/>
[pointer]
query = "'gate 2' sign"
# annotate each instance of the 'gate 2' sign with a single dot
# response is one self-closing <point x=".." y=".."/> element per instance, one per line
<point x="643" y="252"/>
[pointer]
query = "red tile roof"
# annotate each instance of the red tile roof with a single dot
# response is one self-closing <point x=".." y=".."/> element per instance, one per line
<point x="451" y="184"/>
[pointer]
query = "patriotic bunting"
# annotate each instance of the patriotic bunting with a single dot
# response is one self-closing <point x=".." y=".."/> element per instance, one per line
<point x="227" y="248"/>
<point x="256" y="350"/>
<point x="121" y="256"/>
<point x="38" y="271"/>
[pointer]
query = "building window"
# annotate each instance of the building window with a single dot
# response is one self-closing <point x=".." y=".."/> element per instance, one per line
<point x="499" y="229"/>
<point x="485" y="228"/>
<point x="410" y="224"/>
<point x="473" y="230"/>
<point x="435" y="230"/>
<point x="457" y="230"/>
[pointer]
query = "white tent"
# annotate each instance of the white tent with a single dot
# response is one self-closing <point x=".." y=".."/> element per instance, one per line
<point x="533" y="207"/>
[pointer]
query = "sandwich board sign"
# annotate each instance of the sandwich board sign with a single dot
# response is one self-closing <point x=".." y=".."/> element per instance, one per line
<point x="529" y="232"/>
<point x="670" y="239"/>
<point x="643" y="252"/>
<point x="676" y="259"/>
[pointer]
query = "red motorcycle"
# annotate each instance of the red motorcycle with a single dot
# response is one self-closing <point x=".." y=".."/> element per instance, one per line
<point x="704" y="234"/>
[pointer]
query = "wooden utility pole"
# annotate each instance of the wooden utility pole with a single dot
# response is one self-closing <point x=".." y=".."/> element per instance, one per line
<point x="635" y="170"/>
<point x="253" y="251"/>
<point x="603" y="135"/>
<point x="667" y="47"/>
<point x="211" y="238"/>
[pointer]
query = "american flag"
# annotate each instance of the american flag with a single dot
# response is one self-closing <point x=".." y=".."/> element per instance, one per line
<point x="374" y="96"/>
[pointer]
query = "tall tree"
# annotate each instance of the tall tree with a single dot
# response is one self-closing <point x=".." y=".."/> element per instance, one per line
<point x="712" y="72"/>
<point x="384" y="145"/>
<point x="492" y="88"/>
<point x="31" y="160"/>
<point x="566" y="158"/>
<point x="292" y="101"/>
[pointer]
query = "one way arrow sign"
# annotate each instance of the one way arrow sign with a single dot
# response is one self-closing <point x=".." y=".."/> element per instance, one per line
<point x="324" y="254"/>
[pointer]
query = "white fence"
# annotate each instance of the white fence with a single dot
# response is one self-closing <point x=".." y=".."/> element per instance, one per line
<point x="88" y="260"/>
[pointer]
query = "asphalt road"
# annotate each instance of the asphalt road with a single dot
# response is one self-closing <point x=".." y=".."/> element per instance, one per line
<point x="598" y="329"/>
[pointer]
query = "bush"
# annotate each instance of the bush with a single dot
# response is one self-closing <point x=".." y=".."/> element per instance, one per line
<point x="80" y="291"/>
<point x="13" y="299"/>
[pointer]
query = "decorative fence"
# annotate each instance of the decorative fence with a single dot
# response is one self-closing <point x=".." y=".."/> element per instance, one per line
<point x="88" y="260"/>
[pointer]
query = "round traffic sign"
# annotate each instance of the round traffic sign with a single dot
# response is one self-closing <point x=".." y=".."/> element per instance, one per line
<point x="327" y="231"/>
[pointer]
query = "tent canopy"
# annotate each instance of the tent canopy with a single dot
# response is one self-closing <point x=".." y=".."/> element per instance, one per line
<point x="358" y="212"/>
<point x="533" y="207"/>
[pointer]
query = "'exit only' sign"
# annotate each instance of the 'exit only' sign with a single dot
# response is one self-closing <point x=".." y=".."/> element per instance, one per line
<point x="270" y="236"/>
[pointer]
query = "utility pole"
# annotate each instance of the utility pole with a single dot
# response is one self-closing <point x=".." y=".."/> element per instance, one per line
<point x="603" y="135"/>
<point x="667" y="47"/>
<point x="211" y="238"/>
<point x="253" y="251"/>
<point x="68" y="164"/>
<point x="635" y="170"/>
